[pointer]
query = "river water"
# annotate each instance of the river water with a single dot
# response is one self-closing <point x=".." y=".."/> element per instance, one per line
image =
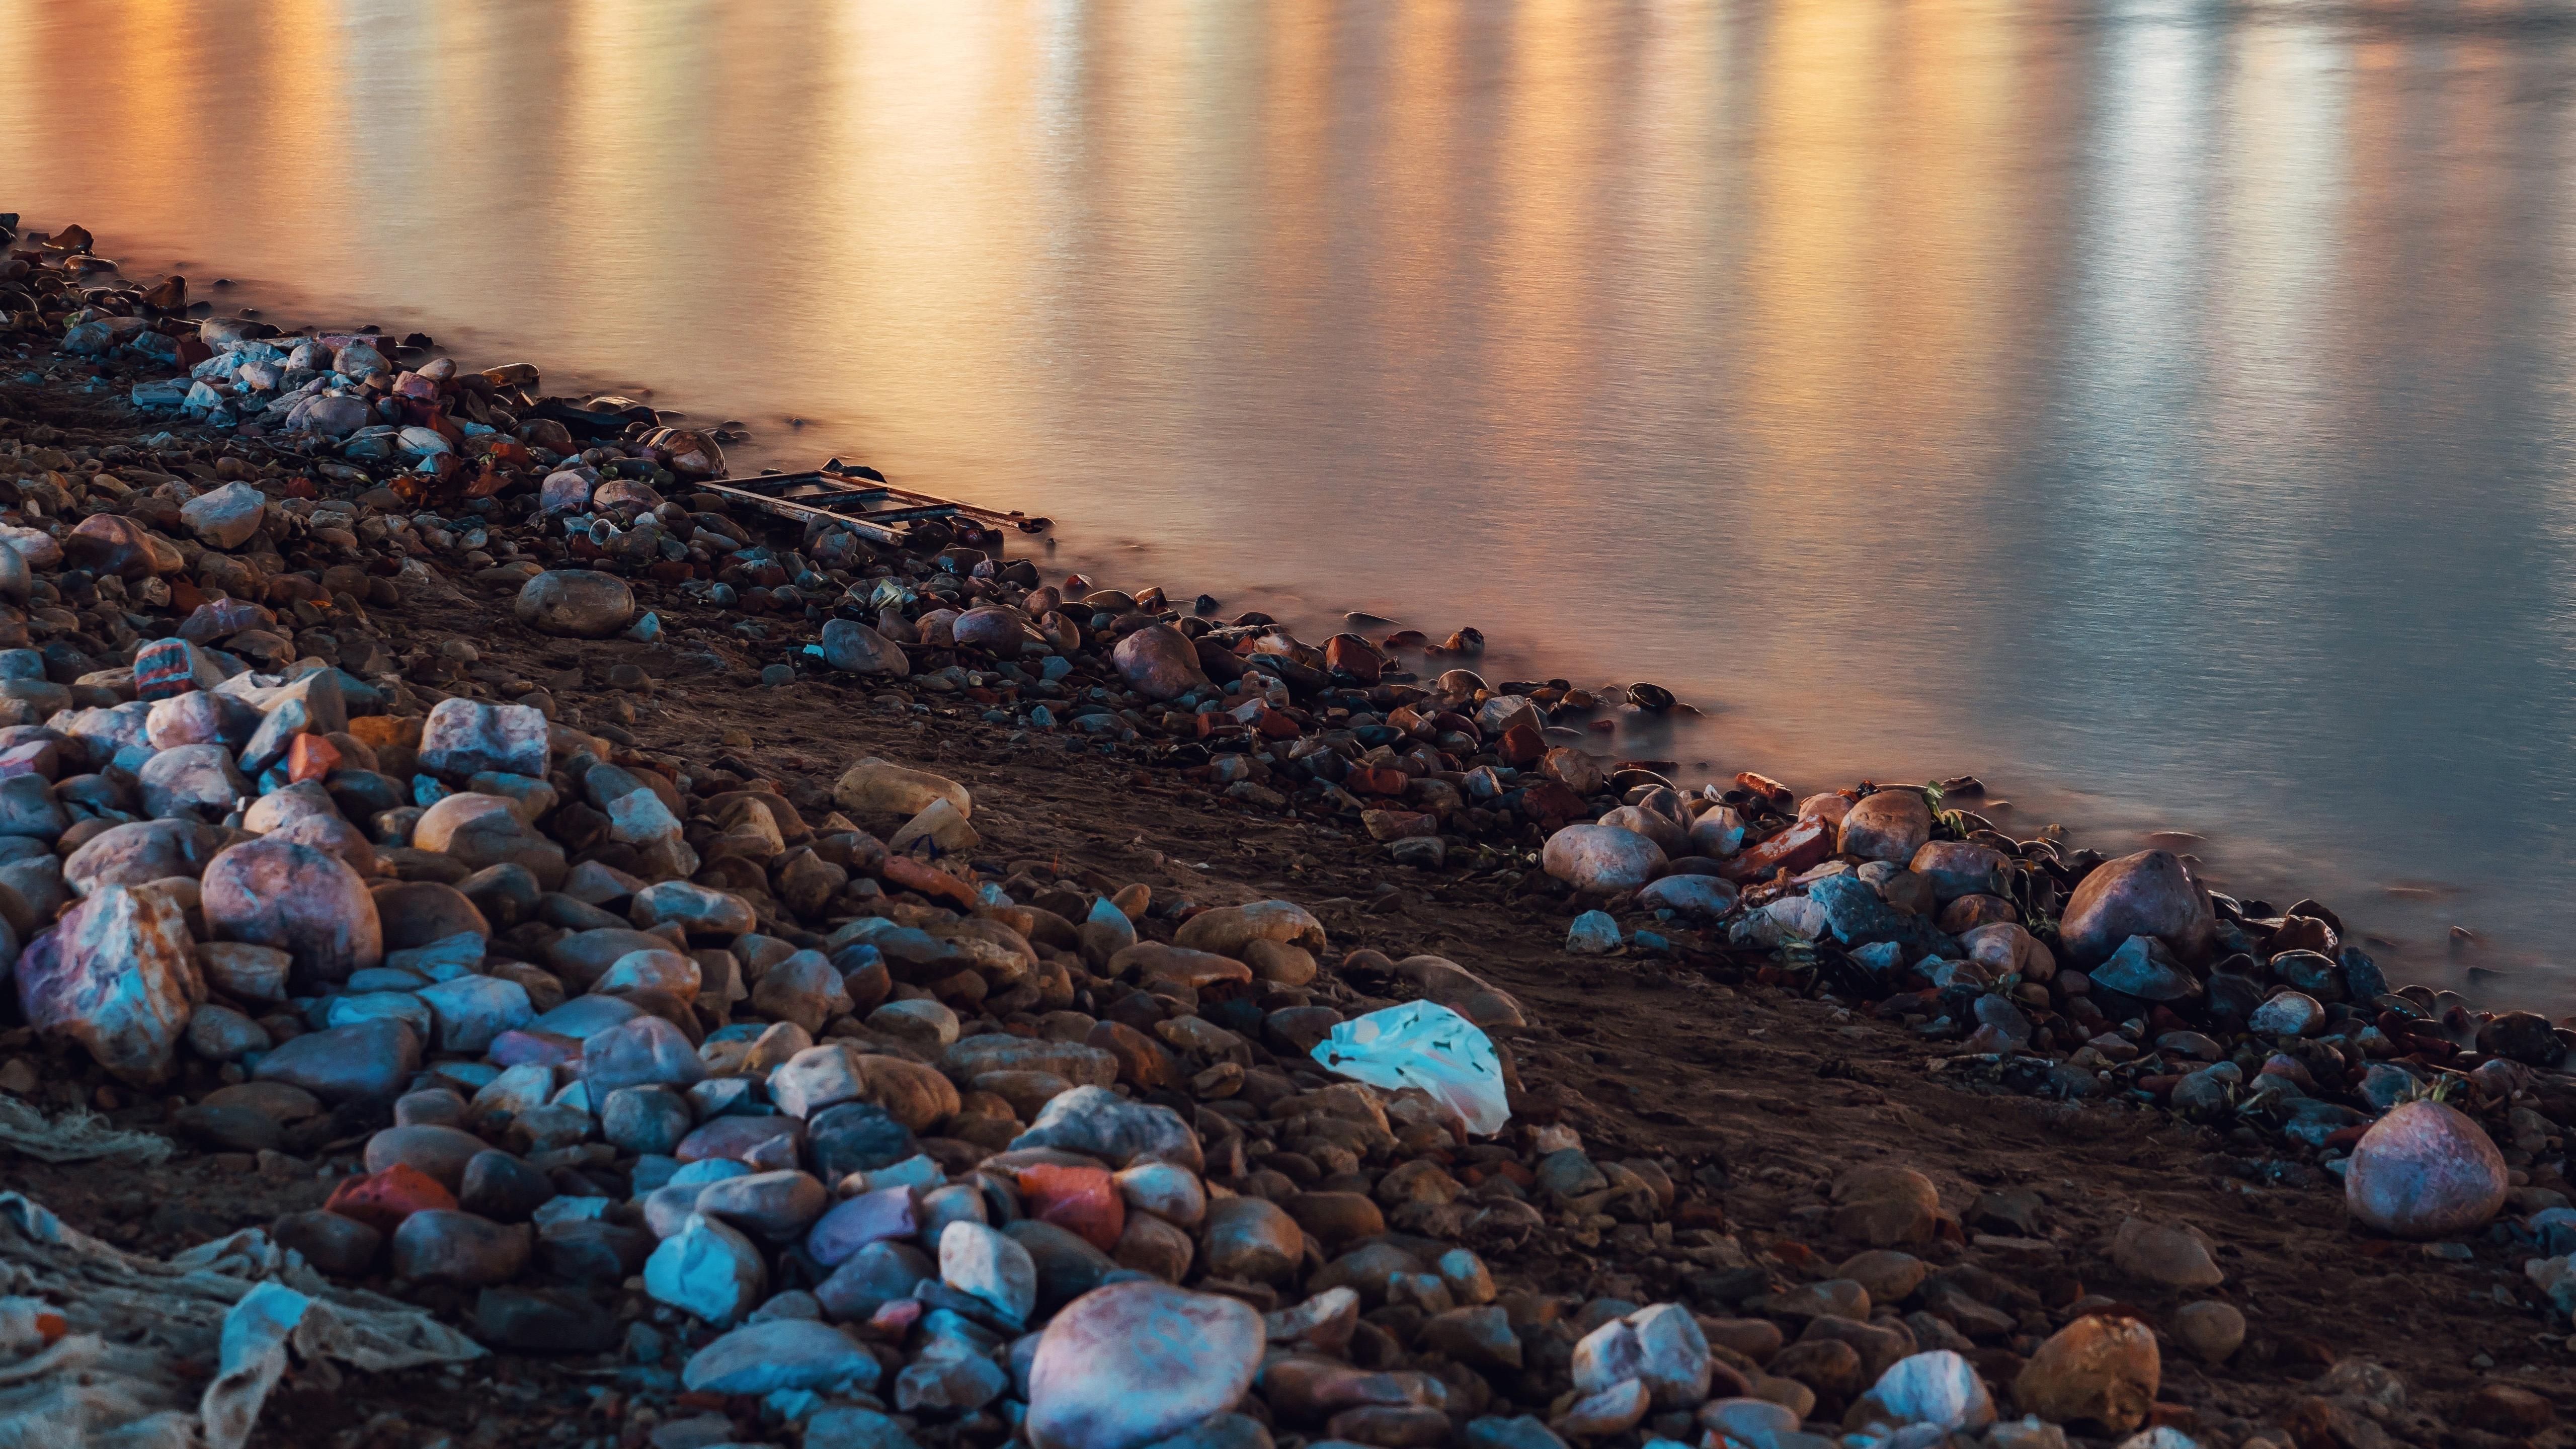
<point x="2161" y="410"/>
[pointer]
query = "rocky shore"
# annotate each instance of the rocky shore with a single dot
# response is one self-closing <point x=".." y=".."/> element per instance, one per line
<point x="683" y="979"/>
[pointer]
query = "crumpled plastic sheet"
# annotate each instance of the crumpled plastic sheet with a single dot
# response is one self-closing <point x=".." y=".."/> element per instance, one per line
<point x="239" y="1302"/>
<point x="1426" y="1045"/>
<point x="75" y="1136"/>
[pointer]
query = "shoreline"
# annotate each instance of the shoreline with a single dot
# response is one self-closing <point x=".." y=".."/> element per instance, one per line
<point x="1392" y="789"/>
<point x="2501" y="963"/>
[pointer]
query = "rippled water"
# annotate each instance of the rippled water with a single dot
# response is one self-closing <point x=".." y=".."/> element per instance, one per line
<point x="2162" y="410"/>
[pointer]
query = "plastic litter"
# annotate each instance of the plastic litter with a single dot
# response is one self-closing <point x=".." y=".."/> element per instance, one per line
<point x="1426" y="1045"/>
<point x="76" y="1136"/>
<point x="113" y="1374"/>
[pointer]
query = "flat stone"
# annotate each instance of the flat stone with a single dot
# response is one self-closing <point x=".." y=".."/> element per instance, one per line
<point x="367" y="1061"/>
<point x="1132" y="1363"/>
<point x="784" y="1353"/>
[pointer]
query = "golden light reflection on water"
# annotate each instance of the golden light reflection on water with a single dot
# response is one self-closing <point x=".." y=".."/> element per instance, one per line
<point x="2070" y="391"/>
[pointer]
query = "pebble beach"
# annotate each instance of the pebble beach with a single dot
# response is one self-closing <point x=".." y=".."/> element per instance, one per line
<point x="688" y="976"/>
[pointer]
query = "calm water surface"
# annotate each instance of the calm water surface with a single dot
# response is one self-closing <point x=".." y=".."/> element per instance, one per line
<point x="2162" y="410"/>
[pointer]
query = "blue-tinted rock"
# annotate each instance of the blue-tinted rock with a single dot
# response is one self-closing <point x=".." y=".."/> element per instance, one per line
<point x="855" y="1137"/>
<point x="2142" y="967"/>
<point x="1132" y="1363"/>
<point x="783" y="1353"/>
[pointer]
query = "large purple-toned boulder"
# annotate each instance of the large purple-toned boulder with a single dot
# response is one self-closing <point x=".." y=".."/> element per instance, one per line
<point x="2150" y="893"/>
<point x="1159" y="662"/>
<point x="2425" y="1171"/>
<point x="1001" y="630"/>
<point x="117" y="974"/>
<point x="304" y="901"/>
<point x="1131" y="1363"/>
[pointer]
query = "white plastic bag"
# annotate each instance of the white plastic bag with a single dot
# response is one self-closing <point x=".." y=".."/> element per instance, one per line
<point x="114" y="1379"/>
<point x="1423" y="1044"/>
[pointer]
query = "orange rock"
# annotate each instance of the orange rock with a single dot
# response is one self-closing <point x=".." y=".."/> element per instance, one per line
<point x="382" y="1200"/>
<point x="1081" y="1200"/>
<point x="1522" y="746"/>
<point x="310" y="757"/>
<point x="913" y="875"/>
<point x="1376" y="780"/>
<point x="1765" y="787"/>
<point x="1354" y="656"/>
<point x="1801" y="845"/>
<point x="376" y="731"/>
